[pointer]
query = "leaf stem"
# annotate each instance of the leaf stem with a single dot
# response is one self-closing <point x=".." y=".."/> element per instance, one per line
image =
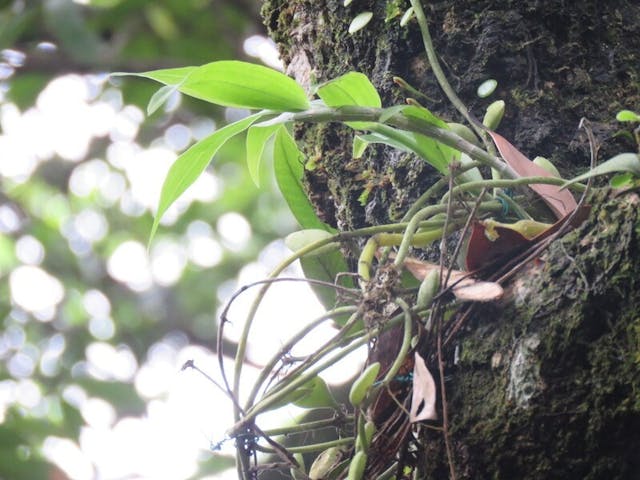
<point x="413" y="124"/>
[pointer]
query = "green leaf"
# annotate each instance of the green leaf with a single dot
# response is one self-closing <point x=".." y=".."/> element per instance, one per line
<point x="289" y="170"/>
<point x="622" y="180"/>
<point x="257" y="139"/>
<point x="360" y="144"/>
<point x="389" y="112"/>
<point x="231" y="83"/>
<point x="313" y="394"/>
<point x="624" y="162"/>
<point x="326" y="267"/>
<point x="168" y="76"/>
<point x="413" y="111"/>
<point x="160" y="97"/>
<point x="487" y="87"/>
<point x="433" y="152"/>
<point x="472" y="175"/>
<point x="627" y="116"/>
<point x="316" y="395"/>
<point x="353" y="88"/>
<point x="188" y="166"/>
<point x="121" y="395"/>
<point x="360" y="21"/>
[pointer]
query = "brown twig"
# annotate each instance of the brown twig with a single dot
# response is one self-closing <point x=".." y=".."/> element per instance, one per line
<point x="445" y="413"/>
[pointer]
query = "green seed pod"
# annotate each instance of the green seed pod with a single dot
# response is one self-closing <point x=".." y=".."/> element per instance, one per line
<point x="428" y="289"/>
<point x="365" y="434"/>
<point x="357" y="466"/>
<point x="547" y="165"/>
<point x="464" y="132"/>
<point x="369" y="431"/>
<point x="494" y="115"/>
<point x="363" y="383"/>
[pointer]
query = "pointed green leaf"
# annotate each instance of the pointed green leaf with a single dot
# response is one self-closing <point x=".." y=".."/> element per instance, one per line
<point x="168" y="76"/>
<point x="423" y="114"/>
<point x="360" y="144"/>
<point x="435" y="153"/>
<point x="257" y="139"/>
<point x="188" y="166"/>
<point x="389" y="112"/>
<point x="289" y="170"/>
<point x="624" y="162"/>
<point x="231" y="83"/>
<point x="160" y="97"/>
<point x="317" y="395"/>
<point x="353" y="88"/>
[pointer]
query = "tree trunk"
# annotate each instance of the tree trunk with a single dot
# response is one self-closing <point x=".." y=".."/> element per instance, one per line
<point x="546" y="383"/>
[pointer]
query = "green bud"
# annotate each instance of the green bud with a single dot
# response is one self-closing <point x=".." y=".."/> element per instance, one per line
<point x="428" y="289"/>
<point x="494" y="114"/>
<point x="357" y="466"/>
<point x="464" y="132"/>
<point x="547" y="165"/>
<point x="363" y="383"/>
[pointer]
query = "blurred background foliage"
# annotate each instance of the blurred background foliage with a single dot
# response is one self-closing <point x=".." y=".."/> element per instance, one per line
<point x="85" y="308"/>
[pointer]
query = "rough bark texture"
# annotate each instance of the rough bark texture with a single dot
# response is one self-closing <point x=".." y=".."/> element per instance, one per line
<point x="547" y="384"/>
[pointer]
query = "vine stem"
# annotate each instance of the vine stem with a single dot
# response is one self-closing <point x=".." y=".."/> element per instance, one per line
<point x="445" y="409"/>
<point x="442" y="78"/>
<point x="353" y="113"/>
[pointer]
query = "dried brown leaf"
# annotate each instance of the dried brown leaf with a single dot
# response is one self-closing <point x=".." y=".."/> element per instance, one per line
<point x="561" y="202"/>
<point x="423" y="400"/>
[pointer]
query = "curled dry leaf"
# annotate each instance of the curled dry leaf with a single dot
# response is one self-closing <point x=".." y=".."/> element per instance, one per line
<point x="492" y="241"/>
<point x="423" y="400"/>
<point x="463" y="286"/>
<point x="478" y="291"/>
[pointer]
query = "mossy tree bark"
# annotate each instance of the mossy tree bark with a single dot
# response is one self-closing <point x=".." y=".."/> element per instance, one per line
<point x="547" y="383"/>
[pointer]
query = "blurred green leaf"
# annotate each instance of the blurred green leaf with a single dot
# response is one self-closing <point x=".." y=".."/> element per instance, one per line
<point x="12" y="26"/>
<point x="122" y="396"/>
<point x="66" y="21"/>
<point x="14" y="468"/>
<point x="25" y="89"/>
<point x="213" y="465"/>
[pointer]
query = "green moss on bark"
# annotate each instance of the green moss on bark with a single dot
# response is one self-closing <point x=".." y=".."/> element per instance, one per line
<point x="566" y="342"/>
